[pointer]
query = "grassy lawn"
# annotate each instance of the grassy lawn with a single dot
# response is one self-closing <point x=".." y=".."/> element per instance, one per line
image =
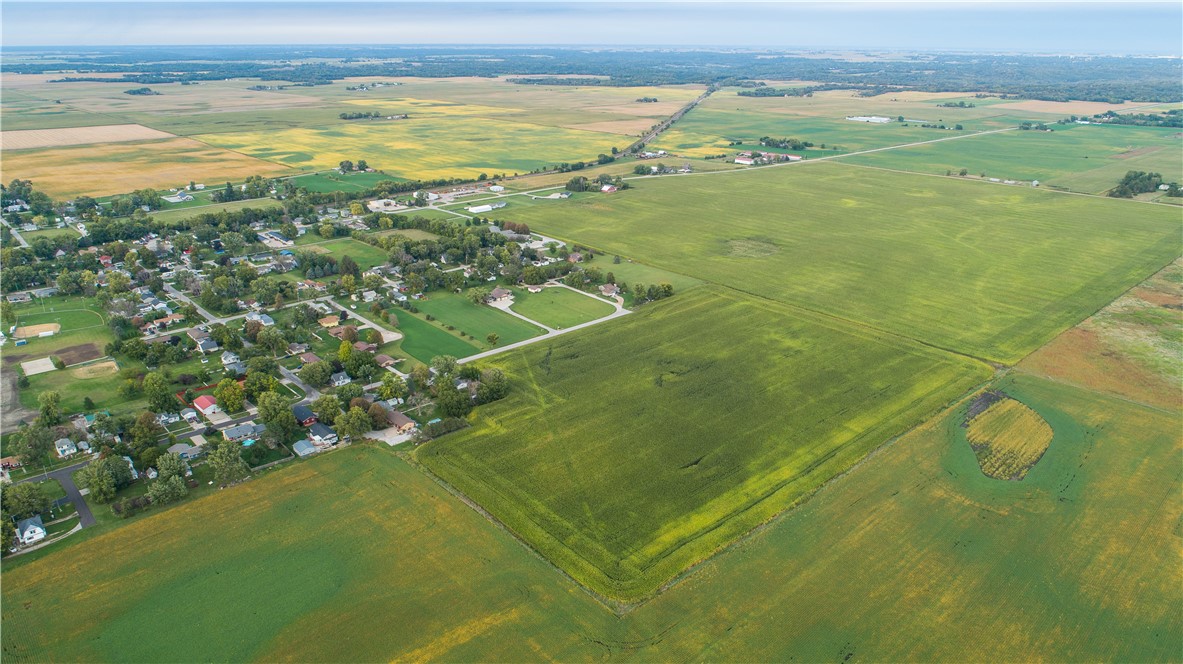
<point x="330" y="181"/>
<point x="425" y="340"/>
<point x="50" y="233"/>
<point x="559" y="307"/>
<point x="363" y="254"/>
<point x="580" y="404"/>
<point x="457" y="310"/>
<point x="985" y="270"/>
<point x="181" y="214"/>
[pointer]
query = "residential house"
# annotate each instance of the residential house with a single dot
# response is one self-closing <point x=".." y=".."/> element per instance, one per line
<point x="330" y="322"/>
<point x="609" y="290"/>
<point x="243" y="431"/>
<point x="385" y="361"/>
<point x="135" y="474"/>
<point x="189" y="414"/>
<point x="229" y="357"/>
<point x="534" y="288"/>
<point x="340" y="378"/>
<point x="206" y="405"/>
<point x="30" y="530"/>
<point x="303" y="448"/>
<point x="207" y="346"/>
<point x="309" y="358"/>
<point x="499" y="294"/>
<point x="266" y="320"/>
<point x="575" y="257"/>
<point x="296" y="349"/>
<point x="166" y="419"/>
<point x="235" y="369"/>
<point x="304" y="415"/>
<point x="400" y="422"/>
<point x="186" y="451"/>
<point x="365" y="346"/>
<point x="322" y="435"/>
<point x="65" y="447"/>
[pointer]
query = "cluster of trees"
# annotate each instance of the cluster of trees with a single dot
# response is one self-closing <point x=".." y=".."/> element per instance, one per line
<point x="255" y="186"/>
<point x="1033" y="126"/>
<point x="1171" y="118"/>
<point x="141" y="92"/>
<point x="647" y="100"/>
<point x="785" y="143"/>
<point x="360" y="115"/>
<point x="580" y="183"/>
<point x="348" y="165"/>
<point x="957" y="104"/>
<point x="515" y="227"/>
<point x="1136" y="182"/>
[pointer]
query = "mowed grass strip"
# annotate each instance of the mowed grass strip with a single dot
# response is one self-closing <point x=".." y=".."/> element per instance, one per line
<point x="366" y="256"/>
<point x="634" y="449"/>
<point x="1008" y="438"/>
<point x="986" y="270"/>
<point x="424" y="340"/>
<point x="559" y="307"/>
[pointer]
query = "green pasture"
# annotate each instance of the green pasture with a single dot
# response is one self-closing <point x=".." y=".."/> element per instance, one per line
<point x="479" y="320"/>
<point x="1088" y="158"/>
<point x="981" y="269"/>
<point x="50" y="233"/>
<point x="559" y="307"/>
<point x="632" y="450"/>
<point x="630" y="272"/>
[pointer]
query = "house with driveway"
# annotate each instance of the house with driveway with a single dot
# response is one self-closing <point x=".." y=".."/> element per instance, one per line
<point x="65" y="447"/>
<point x="206" y="405"/>
<point x="322" y="435"/>
<point x="30" y="530"/>
<point x="243" y="431"/>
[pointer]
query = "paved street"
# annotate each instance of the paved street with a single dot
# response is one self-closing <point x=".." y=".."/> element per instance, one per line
<point x="65" y="477"/>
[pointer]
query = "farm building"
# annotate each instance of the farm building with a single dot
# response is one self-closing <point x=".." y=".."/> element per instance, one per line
<point x="206" y="404"/>
<point x="873" y="119"/>
<point x="746" y="161"/>
<point x="30" y="530"/>
<point x="608" y="189"/>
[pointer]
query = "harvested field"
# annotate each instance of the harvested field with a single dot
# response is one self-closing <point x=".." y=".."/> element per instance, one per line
<point x="1066" y="108"/>
<point x="96" y="370"/>
<point x="1008" y="439"/>
<point x="1138" y="152"/>
<point x="27" y="331"/>
<point x="628" y="127"/>
<point x="112" y="168"/>
<point x="53" y="138"/>
<point x="34" y="367"/>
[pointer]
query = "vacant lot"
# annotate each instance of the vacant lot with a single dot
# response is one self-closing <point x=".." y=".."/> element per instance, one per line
<point x="366" y="256"/>
<point x="987" y="270"/>
<point x="727" y="409"/>
<point x="53" y="138"/>
<point x="559" y="307"/>
<point x="477" y="320"/>
<point x="100" y="170"/>
<point x="425" y="340"/>
<point x="180" y="214"/>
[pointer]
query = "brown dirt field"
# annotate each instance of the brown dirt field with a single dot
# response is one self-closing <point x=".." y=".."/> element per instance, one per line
<point x="1158" y="297"/>
<point x="112" y="168"/>
<point x="52" y="138"/>
<point x="1137" y="152"/>
<point x="1079" y="356"/>
<point x="11" y="411"/>
<point x="96" y="370"/>
<point x="80" y="353"/>
<point x="316" y="250"/>
<point x="29" y="331"/>
<point x="627" y="127"/>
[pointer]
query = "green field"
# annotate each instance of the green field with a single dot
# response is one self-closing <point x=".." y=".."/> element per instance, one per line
<point x="478" y="320"/>
<point x="50" y="233"/>
<point x="425" y="340"/>
<point x="82" y="320"/>
<point x="180" y="214"/>
<point x="559" y="307"/>
<point x="330" y="181"/>
<point x="635" y="449"/>
<point x="985" y="270"/>
<point x="1088" y="158"/>
<point x="366" y="256"/>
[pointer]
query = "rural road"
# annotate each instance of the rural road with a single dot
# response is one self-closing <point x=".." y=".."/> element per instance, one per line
<point x="20" y="241"/>
<point x="620" y="311"/>
<point x="65" y="477"/>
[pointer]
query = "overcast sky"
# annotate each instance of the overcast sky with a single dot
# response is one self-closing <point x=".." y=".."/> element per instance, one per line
<point x="1074" y="27"/>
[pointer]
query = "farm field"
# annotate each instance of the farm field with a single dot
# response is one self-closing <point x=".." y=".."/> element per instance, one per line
<point x="559" y="307"/>
<point x="54" y="138"/>
<point x="112" y="168"/>
<point x="1131" y="348"/>
<point x="1088" y="158"/>
<point x="444" y="147"/>
<point x="334" y="181"/>
<point x="366" y="256"/>
<point x="701" y="482"/>
<point x="478" y="320"/>
<point x="963" y="265"/>
<point x="975" y="579"/>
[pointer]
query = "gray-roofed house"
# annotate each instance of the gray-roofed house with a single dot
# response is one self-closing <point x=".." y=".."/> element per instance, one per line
<point x="303" y="448"/>
<point x="243" y="431"/>
<point x="186" y="451"/>
<point x="322" y="434"/>
<point x="340" y="378"/>
<point x="65" y="447"/>
<point x="30" y="530"/>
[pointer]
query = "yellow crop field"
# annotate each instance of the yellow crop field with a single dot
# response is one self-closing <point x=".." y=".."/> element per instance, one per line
<point x="1008" y="439"/>
<point x="52" y="138"/>
<point x="423" y="148"/>
<point x="112" y="168"/>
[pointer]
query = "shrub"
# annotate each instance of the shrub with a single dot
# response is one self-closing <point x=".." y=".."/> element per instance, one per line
<point x="57" y="362"/>
<point x="445" y="426"/>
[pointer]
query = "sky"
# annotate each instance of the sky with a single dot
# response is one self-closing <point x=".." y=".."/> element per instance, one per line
<point x="1118" y="28"/>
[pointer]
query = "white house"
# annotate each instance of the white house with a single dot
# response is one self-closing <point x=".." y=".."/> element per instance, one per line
<point x="229" y="357"/>
<point x="135" y="474"/>
<point x="65" y="447"/>
<point x="341" y="378"/>
<point x="321" y="434"/>
<point x="30" y="530"/>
